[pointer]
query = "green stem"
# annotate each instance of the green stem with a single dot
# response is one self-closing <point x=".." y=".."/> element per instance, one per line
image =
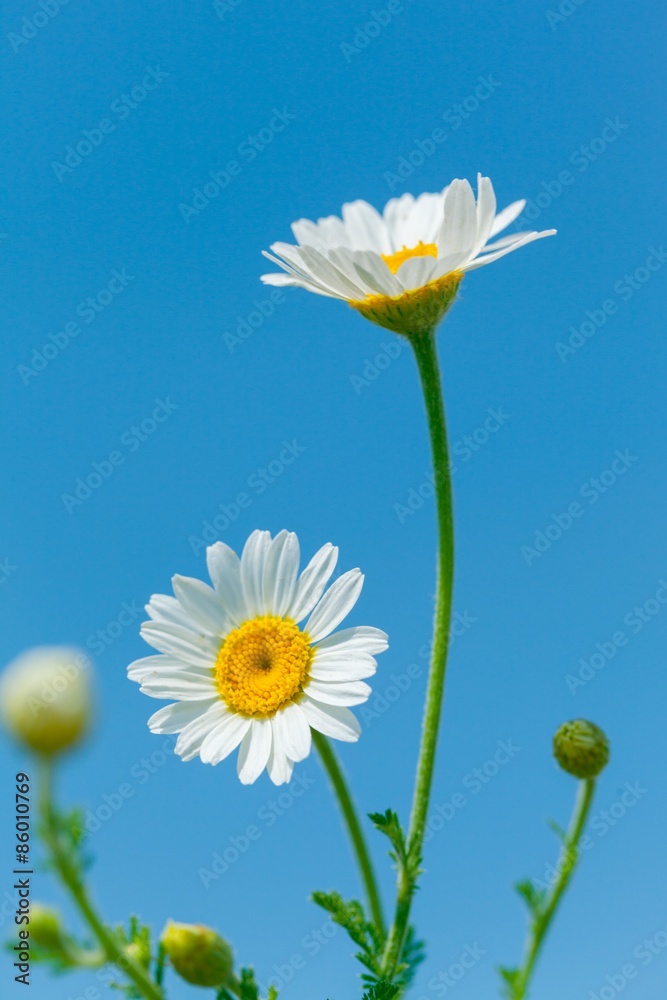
<point x="111" y="948"/>
<point x="426" y="354"/>
<point x="567" y="863"/>
<point x="337" y="778"/>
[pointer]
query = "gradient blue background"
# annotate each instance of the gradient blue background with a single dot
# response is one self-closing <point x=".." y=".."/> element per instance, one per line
<point x="365" y="448"/>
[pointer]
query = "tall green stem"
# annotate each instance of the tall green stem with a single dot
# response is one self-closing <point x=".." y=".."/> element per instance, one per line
<point x="426" y="354"/>
<point x="337" y="778"/>
<point x="566" y="864"/>
<point x="111" y="948"/>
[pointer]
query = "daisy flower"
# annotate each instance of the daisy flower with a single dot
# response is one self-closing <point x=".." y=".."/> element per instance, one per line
<point x="401" y="269"/>
<point x="241" y="671"/>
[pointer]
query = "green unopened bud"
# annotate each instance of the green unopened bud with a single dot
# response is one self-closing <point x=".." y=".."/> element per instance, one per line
<point x="45" y="927"/>
<point x="45" y="698"/>
<point x="581" y="748"/>
<point x="139" y="951"/>
<point x="198" y="954"/>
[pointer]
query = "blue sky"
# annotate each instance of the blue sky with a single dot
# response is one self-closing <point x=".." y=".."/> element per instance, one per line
<point x="136" y="326"/>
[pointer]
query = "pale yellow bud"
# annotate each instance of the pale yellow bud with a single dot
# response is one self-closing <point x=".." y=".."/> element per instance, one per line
<point x="45" y="698"/>
<point x="198" y="954"/>
<point x="45" y="927"/>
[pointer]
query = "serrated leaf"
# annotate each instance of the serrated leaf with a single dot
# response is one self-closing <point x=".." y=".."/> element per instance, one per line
<point x="533" y="897"/>
<point x="382" y="990"/>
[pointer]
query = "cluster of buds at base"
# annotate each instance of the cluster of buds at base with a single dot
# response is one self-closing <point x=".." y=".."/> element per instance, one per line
<point x="581" y="748"/>
<point x="198" y="954"/>
<point x="45" y="698"/>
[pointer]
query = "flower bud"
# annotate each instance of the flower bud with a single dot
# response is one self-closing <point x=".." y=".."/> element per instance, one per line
<point x="198" y="954"/>
<point x="45" y="927"/>
<point x="45" y="698"/>
<point x="581" y="748"/>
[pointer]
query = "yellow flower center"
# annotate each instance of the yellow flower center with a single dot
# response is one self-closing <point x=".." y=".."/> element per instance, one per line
<point x="263" y="666"/>
<point x="394" y="260"/>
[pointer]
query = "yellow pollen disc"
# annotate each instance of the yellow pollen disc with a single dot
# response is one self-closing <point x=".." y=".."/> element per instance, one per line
<point x="394" y="260"/>
<point x="263" y="666"/>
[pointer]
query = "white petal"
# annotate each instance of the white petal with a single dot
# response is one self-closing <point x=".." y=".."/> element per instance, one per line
<point x="366" y="227"/>
<point x="338" y="692"/>
<point x="181" y="643"/>
<point x="339" y="666"/>
<point x="173" y="718"/>
<point x="281" y="572"/>
<point x="280" y="767"/>
<point x="529" y="238"/>
<point x="508" y="215"/>
<point x="416" y="272"/>
<point x="313" y="580"/>
<point x="299" y="276"/>
<point x="329" y="276"/>
<point x="253" y="561"/>
<point x="184" y="685"/>
<point x="224" y="568"/>
<point x="223" y="738"/>
<point x="360" y="637"/>
<point x="149" y="665"/>
<point x="164" y="608"/>
<point x="395" y="214"/>
<point x="291" y="732"/>
<point x="423" y="220"/>
<point x="338" y="601"/>
<point x="306" y="232"/>
<point x="255" y="749"/>
<point x="486" y="211"/>
<point x="331" y="720"/>
<point x="311" y="264"/>
<point x="192" y="737"/>
<point x="504" y="241"/>
<point x="286" y="280"/>
<point x="373" y="271"/>
<point x="459" y="225"/>
<point x="202" y="603"/>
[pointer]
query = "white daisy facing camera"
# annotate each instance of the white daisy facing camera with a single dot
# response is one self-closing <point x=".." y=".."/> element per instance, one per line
<point x="239" y="668"/>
